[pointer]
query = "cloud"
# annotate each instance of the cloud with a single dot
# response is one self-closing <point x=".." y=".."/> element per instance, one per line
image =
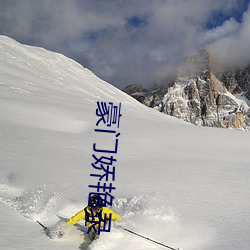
<point x="121" y="41"/>
<point x="232" y="50"/>
<point x="228" y="28"/>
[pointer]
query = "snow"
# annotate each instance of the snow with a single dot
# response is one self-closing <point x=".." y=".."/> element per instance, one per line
<point x="183" y="185"/>
<point x="242" y="99"/>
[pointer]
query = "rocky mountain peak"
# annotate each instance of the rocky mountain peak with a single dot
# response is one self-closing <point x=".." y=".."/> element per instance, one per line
<point x="197" y="64"/>
<point x="200" y="96"/>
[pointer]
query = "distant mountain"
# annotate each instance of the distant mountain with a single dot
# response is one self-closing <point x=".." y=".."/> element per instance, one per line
<point x="201" y="95"/>
<point x="237" y="81"/>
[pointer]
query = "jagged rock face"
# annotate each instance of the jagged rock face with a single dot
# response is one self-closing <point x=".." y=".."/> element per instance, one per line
<point x="205" y="102"/>
<point x="237" y="81"/>
<point x="137" y="91"/>
<point x="133" y="88"/>
<point x="199" y="97"/>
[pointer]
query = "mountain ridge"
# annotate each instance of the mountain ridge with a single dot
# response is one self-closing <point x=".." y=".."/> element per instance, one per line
<point x="200" y="95"/>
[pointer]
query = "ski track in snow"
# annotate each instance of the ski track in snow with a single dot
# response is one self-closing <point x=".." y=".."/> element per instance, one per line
<point x="144" y="214"/>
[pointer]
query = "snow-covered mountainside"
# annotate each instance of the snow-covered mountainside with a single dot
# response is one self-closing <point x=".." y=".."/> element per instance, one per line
<point x="198" y="96"/>
<point x="182" y="185"/>
<point x="237" y="81"/>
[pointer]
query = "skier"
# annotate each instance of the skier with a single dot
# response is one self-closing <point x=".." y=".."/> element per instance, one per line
<point x="98" y="212"/>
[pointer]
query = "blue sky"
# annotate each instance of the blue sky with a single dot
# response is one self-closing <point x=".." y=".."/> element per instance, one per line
<point x="218" y="17"/>
<point x="131" y="41"/>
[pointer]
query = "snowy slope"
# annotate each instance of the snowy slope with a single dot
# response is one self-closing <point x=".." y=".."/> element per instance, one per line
<point x="182" y="185"/>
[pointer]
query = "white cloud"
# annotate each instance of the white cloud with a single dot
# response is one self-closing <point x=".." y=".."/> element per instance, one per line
<point x="233" y="50"/>
<point x="228" y="28"/>
<point x="97" y="33"/>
